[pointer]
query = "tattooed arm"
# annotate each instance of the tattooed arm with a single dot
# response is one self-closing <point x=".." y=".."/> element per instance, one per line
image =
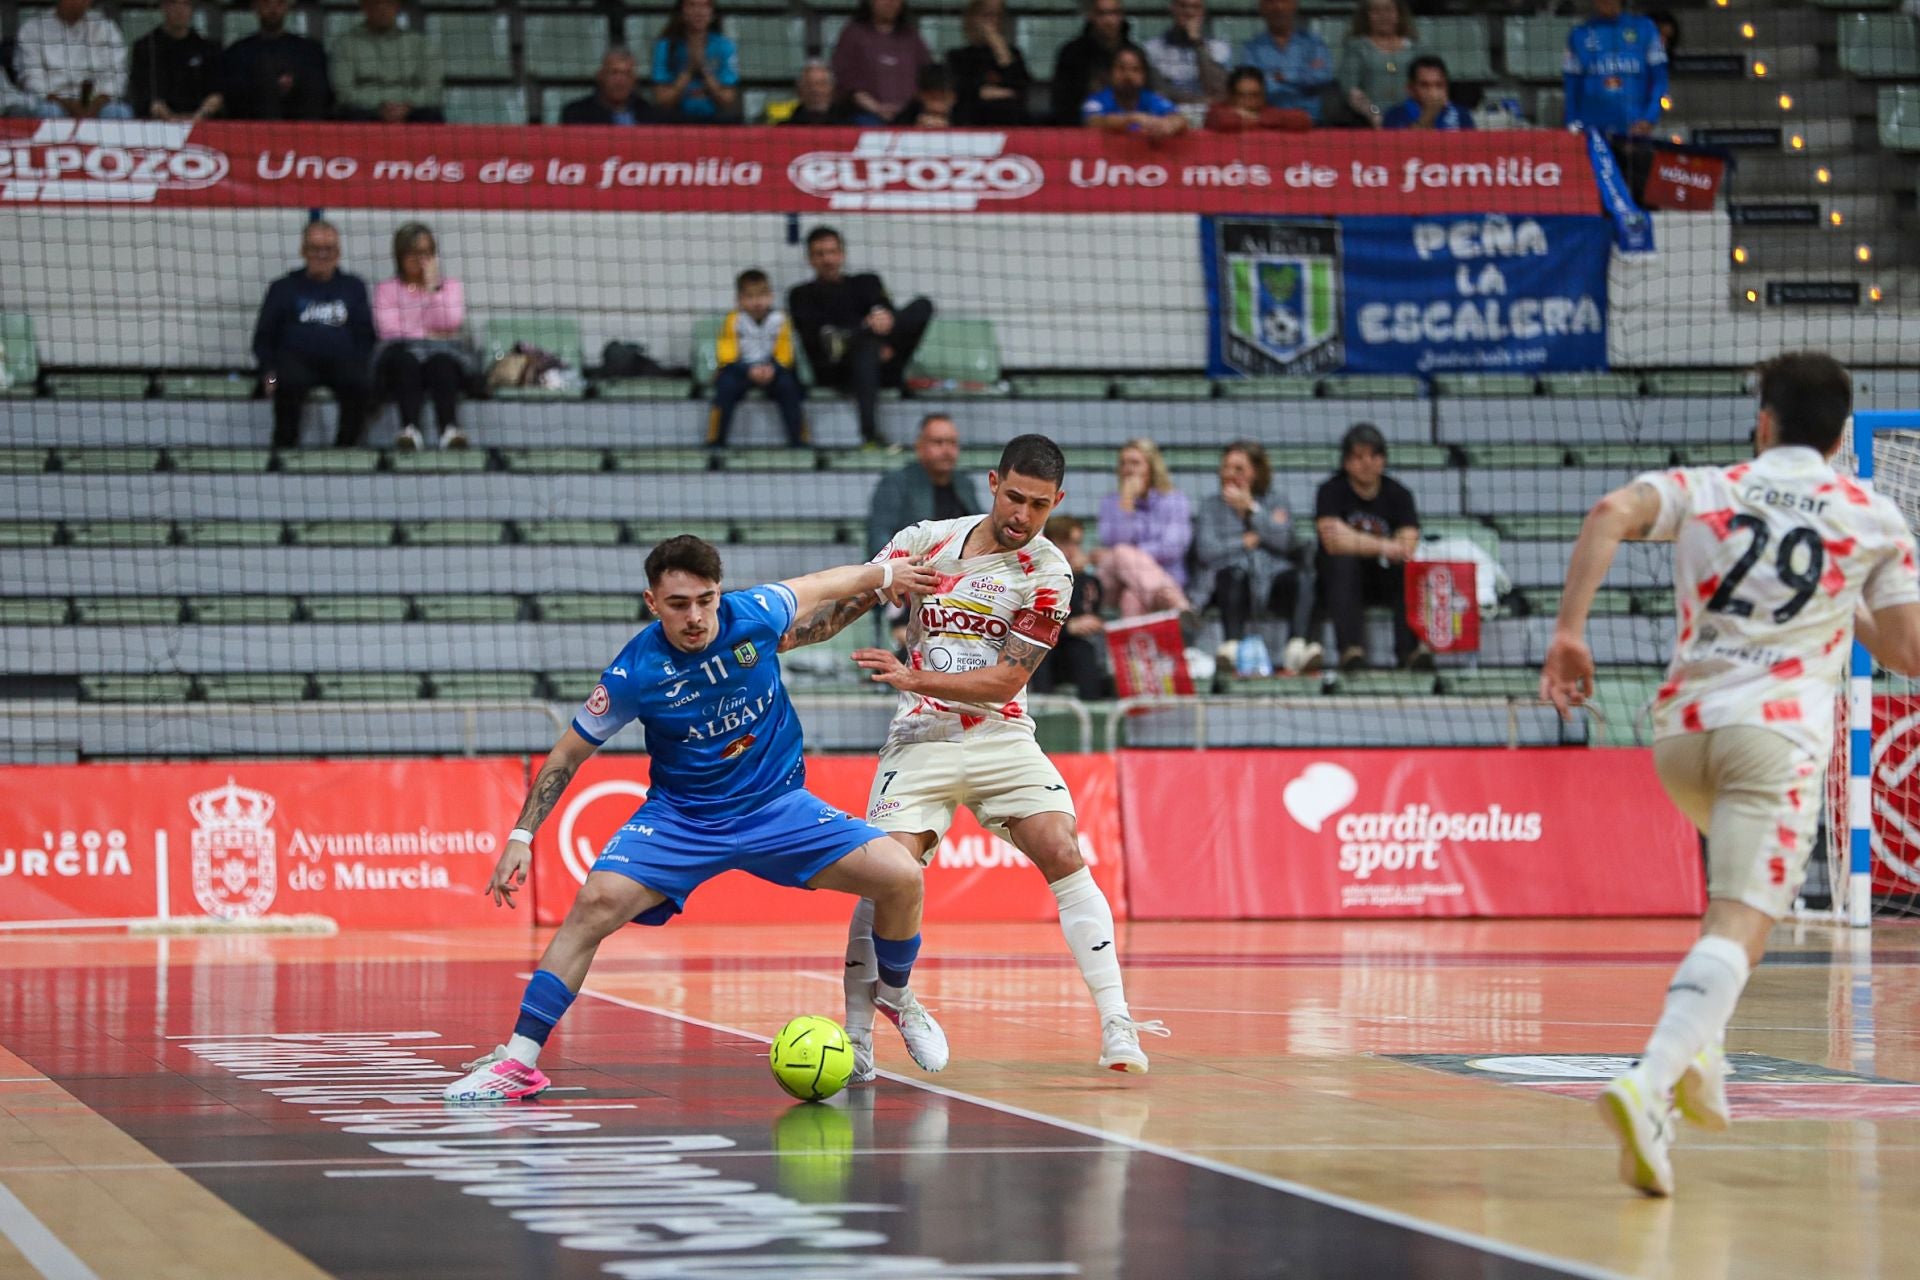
<point x="984" y="686"/>
<point x="827" y="601"/>
<point x="510" y="873"/>
<point x="828" y="620"/>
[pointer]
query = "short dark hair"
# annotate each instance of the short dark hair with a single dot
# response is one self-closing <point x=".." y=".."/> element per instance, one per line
<point x="1362" y="435"/>
<point x="822" y="233"/>
<point x="1062" y="528"/>
<point x="1810" y="397"/>
<point x="934" y="78"/>
<point x="750" y="277"/>
<point x="1246" y="73"/>
<point x="1035" y="456"/>
<point x="685" y="553"/>
<point x="1428" y="62"/>
<point x="1128" y="46"/>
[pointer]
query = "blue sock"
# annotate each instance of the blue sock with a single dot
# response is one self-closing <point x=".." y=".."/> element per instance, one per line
<point x="895" y="957"/>
<point x="544" y="1004"/>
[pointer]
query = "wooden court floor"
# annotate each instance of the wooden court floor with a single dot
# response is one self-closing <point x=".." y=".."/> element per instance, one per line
<point x="1336" y="1100"/>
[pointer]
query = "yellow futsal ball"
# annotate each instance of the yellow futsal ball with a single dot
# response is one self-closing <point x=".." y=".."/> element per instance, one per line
<point x="811" y="1058"/>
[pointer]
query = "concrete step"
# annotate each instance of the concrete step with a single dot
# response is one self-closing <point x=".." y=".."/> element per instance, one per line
<point x="1760" y="175"/>
<point x="1799" y="26"/>
<point x="1770" y="251"/>
<point x="1763" y="99"/>
<point x="1824" y="135"/>
<point x="1843" y="214"/>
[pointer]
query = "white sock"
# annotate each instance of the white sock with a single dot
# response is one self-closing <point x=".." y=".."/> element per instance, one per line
<point x="1700" y="1001"/>
<point x="862" y="971"/>
<point x="1087" y="921"/>
<point x="523" y="1050"/>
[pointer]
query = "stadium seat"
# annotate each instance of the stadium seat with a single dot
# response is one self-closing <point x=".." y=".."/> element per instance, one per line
<point x="941" y="31"/>
<point x="328" y="461"/>
<point x="446" y="533"/>
<point x="1041" y="37"/>
<point x="366" y="686"/>
<point x="220" y="461"/>
<point x="1063" y="386"/>
<point x="559" y="336"/>
<point x="589" y="608"/>
<point x="657" y="461"/>
<point x="1269" y="388"/>
<point x="28" y="533"/>
<point x="467" y="608"/>
<point x="554" y="461"/>
<point x="641" y="389"/>
<point x="555" y="97"/>
<point x="486" y="104"/>
<point x="772" y="48"/>
<point x="484" y="686"/>
<point x="1699" y="382"/>
<point x="22" y="461"/>
<point x="254" y="686"/>
<point x="959" y="349"/>
<point x="570" y="533"/>
<point x="1463" y="43"/>
<point x="1616" y="385"/>
<point x="231" y="610"/>
<point x="120" y="533"/>
<point x="146" y="688"/>
<point x="1485" y="384"/>
<point x="1900" y="117"/>
<point x="1373" y="386"/>
<point x="19" y="360"/>
<point x="116" y="611"/>
<point x="232" y="533"/>
<point x="1879" y="46"/>
<point x="342" y="533"/>
<point x="92" y="461"/>
<point x="1190" y="387"/>
<point x="98" y="386"/>
<point x="438" y="461"/>
<point x="356" y="609"/>
<point x="1537" y="46"/>
<point x="477" y="46"/>
<point x="33" y="612"/>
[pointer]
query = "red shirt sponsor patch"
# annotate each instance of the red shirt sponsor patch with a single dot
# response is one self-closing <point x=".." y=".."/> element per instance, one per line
<point x="1041" y="627"/>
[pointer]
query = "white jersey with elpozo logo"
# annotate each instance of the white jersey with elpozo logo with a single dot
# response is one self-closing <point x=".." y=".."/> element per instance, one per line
<point x="963" y="626"/>
<point x="1770" y="558"/>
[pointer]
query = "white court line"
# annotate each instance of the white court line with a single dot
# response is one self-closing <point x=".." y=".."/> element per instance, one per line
<point x="43" y="1250"/>
<point x="23" y="1079"/>
<point x="1515" y="1253"/>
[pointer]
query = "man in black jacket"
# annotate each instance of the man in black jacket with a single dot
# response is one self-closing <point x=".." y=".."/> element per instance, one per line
<point x="274" y="74"/>
<point x="316" y="330"/>
<point x="171" y="68"/>
<point x="855" y="337"/>
<point x="1081" y="69"/>
<point x="615" y="98"/>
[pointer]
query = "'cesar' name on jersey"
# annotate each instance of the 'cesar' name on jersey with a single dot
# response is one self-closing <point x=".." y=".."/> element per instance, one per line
<point x="1783" y="499"/>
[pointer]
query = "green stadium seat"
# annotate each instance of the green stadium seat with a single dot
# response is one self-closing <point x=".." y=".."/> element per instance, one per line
<point x="571" y="686"/>
<point x="1498" y="456"/>
<point x="438" y="461"/>
<point x="366" y="686"/>
<point x="559" y="336"/>
<point x="146" y="688"/>
<point x="94" y="461"/>
<point x="1620" y="386"/>
<point x="452" y="533"/>
<point x="1732" y="384"/>
<point x="657" y="461"/>
<point x="1063" y="386"/>
<point x="589" y="608"/>
<point x="477" y="46"/>
<point x="1485" y="385"/>
<point x="784" y="459"/>
<point x="1539" y="528"/>
<point x="486" y="104"/>
<point x="17" y="462"/>
<point x="329" y="461"/>
<point x="19" y="358"/>
<point x="570" y="533"/>
<point x="764" y="532"/>
<point x="645" y="533"/>
<point x="1269" y="388"/>
<point x="1383" y="684"/>
<point x="941" y="31"/>
<point x="1640" y="457"/>
<point x="1716" y="453"/>
<point x="1042" y="36"/>
<point x="1189" y="387"/>
<point x="343" y="533"/>
<point x="1537" y="46"/>
<point x="485" y="686"/>
<point x="99" y="386"/>
<point x="255" y="686"/>
<point x="356" y="609"/>
<point x="1372" y="386"/>
<point x="772" y="48"/>
<point x="126" y="611"/>
<point x="567" y="46"/>
<point x="1608" y="602"/>
<point x="1493" y="682"/>
<point x="1879" y="46"/>
<point x="467" y="608"/>
<point x="237" y="610"/>
<point x="120" y="533"/>
<point x="206" y="386"/>
<point x="38" y="611"/>
<point x="555" y="460"/>
<point x="641" y="389"/>
<point x="28" y="533"/>
<point x="960" y="349"/>
<point x="232" y="533"/>
<point x="1463" y="43"/>
<point x="224" y="461"/>
<point x="1900" y="117"/>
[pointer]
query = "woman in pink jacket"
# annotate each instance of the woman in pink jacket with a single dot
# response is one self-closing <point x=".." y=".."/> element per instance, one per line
<point x="417" y="316"/>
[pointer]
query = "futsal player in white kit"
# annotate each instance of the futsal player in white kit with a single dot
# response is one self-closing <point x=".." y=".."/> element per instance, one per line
<point x="1778" y="563"/>
<point x="961" y="733"/>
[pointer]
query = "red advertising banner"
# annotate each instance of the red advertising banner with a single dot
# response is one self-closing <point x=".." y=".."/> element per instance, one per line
<point x="1442" y="606"/>
<point x="1227" y="835"/>
<point x="392" y="843"/>
<point x="788" y="170"/>
<point x="973" y="877"/>
<point x="1896" y="795"/>
<point x="1149" y="657"/>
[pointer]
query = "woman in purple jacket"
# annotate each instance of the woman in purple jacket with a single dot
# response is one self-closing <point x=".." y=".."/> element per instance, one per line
<point x="1146" y="526"/>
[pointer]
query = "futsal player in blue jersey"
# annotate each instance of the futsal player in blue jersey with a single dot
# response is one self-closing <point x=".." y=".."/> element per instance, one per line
<point x="727" y="790"/>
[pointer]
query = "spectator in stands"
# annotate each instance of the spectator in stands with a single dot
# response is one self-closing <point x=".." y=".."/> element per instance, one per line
<point x="383" y="73"/>
<point x="819" y="104"/>
<point x="1669" y="28"/>
<point x="755" y="349"/>
<point x="1368" y="529"/>
<point x="315" y="330"/>
<point x="1080" y="70"/>
<point x="1296" y="63"/>
<point x="931" y="487"/>
<point x="1246" y="107"/>
<point x="1616" y="72"/>
<point x="855" y="337"/>
<point x="274" y="74"/>
<point x="934" y="100"/>
<point x="696" y="69"/>
<point x="1146" y="526"/>
<point x="1244" y="556"/>
<point x="1126" y="105"/>
<point x="172" y="68"/>
<point x="1188" y="65"/>
<point x="1428" y="104"/>
<point x="1377" y="58"/>
<point x="417" y="316"/>
<point x="989" y="74"/>
<point x="615" y="98"/>
<point x="14" y="101"/>
<point x="73" y="63"/>
<point x="877" y="60"/>
<point x="1078" y="659"/>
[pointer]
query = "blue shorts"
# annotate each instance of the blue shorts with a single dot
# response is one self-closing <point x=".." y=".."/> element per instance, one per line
<point x="786" y="841"/>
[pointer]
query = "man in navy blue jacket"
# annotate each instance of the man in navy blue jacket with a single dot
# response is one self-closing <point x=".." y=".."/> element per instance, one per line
<point x="1615" y="72"/>
<point x="316" y="330"/>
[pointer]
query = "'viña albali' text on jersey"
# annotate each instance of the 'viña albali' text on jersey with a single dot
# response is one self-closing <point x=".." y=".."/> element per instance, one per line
<point x="963" y="626"/>
<point x="724" y="736"/>
<point x="1770" y="558"/>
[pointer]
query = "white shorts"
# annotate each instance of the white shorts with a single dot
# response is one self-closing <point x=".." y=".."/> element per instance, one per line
<point x="1002" y="779"/>
<point x="1757" y="797"/>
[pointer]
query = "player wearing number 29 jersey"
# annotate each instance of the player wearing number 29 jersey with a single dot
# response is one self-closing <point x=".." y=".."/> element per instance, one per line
<point x="1776" y="562"/>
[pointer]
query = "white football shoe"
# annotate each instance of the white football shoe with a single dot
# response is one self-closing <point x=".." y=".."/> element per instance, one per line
<point x="1120" y="1043"/>
<point x="1640" y="1119"/>
<point x="926" y="1042"/>
<point x="1701" y="1094"/>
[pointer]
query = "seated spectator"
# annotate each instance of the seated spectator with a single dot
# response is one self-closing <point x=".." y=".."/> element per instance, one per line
<point x="1080" y="71"/>
<point x="274" y="74"/>
<point x="1616" y="72"/>
<point x="73" y="63"/>
<point x="315" y="330"/>
<point x="1126" y="105"/>
<point x="1245" y="557"/>
<point x="755" y="350"/>
<point x="1246" y="108"/>
<point x="1368" y="529"/>
<point x="931" y="487"/>
<point x="1188" y="66"/>
<point x="819" y="104"/>
<point x="1296" y="63"/>
<point x="172" y="68"/>
<point x="696" y="69"/>
<point x="383" y="73"/>
<point x="933" y="100"/>
<point x="1146" y="526"/>
<point x="854" y="336"/>
<point x="1428" y="105"/>
<point x="615" y="98"/>
<point x="1378" y="58"/>
<point x="417" y="316"/>
<point x="1078" y="659"/>
<point x="877" y="60"/>
<point x="989" y="75"/>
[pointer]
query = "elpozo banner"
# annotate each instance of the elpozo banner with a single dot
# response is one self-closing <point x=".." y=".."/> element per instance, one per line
<point x="1485" y="294"/>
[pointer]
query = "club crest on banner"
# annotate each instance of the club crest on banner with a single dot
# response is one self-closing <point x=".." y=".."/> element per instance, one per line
<point x="233" y="851"/>
<point x="1279" y="309"/>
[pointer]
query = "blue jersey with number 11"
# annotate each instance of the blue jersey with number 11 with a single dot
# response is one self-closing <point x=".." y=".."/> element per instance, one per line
<point x="723" y="734"/>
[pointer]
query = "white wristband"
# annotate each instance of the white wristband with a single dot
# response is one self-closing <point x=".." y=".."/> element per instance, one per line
<point x="886" y="574"/>
<point x="520" y="834"/>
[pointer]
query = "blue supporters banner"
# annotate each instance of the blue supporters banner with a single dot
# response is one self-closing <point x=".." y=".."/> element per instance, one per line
<point x="1457" y="294"/>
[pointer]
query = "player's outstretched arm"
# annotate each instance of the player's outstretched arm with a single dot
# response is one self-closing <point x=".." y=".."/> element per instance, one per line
<point x="1566" y="678"/>
<point x="984" y="686"/>
<point x="1891" y="635"/>
<point x="516" y="860"/>
<point x="825" y="602"/>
